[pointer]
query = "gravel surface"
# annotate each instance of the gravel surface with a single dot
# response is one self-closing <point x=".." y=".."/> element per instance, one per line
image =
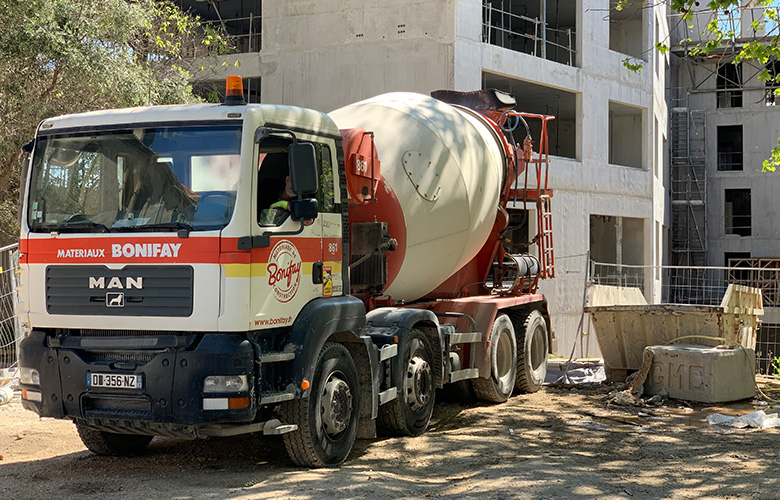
<point x="556" y="444"/>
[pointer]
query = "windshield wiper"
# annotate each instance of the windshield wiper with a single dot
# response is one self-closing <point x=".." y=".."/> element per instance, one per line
<point x="74" y="227"/>
<point x="182" y="227"/>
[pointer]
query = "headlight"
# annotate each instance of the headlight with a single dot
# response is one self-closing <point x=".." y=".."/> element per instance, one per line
<point x="29" y="376"/>
<point x="225" y="383"/>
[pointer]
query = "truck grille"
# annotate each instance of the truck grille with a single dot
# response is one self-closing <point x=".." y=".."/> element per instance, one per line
<point x="83" y="332"/>
<point x="132" y="408"/>
<point x="113" y="356"/>
<point x="133" y="291"/>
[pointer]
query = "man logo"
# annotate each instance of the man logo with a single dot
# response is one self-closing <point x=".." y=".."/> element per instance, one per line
<point x="115" y="299"/>
<point x="116" y="282"/>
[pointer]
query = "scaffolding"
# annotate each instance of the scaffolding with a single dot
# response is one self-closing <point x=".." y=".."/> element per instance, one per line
<point x="504" y="27"/>
<point x="759" y="273"/>
<point x="689" y="184"/>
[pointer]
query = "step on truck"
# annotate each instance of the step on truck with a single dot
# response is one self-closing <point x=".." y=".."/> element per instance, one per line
<point x="222" y="269"/>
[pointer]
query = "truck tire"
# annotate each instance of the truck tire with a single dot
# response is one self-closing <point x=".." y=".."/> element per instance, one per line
<point x="532" y="349"/>
<point x="503" y="364"/>
<point x="111" y="444"/>
<point x="327" y="420"/>
<point x="410" y="413"/>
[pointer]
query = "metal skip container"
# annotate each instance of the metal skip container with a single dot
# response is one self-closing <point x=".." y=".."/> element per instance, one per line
<point x="625" y="323"/>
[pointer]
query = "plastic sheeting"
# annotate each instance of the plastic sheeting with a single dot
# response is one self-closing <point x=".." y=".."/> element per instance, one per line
<point x="755" y="420"/>
<point x="580" y="373"/>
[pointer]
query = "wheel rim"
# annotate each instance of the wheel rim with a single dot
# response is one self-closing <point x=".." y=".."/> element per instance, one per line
<point x="418" y="383"/>
<point x="538" y="351"/>
<point x="336" y="404"/>
<point x="505" y="361"/>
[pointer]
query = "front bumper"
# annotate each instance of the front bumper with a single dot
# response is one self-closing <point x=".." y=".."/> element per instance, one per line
<point x="172" y="369"/>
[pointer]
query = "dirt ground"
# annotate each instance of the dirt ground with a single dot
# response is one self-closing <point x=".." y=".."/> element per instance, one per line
<point x="555" y="444"/>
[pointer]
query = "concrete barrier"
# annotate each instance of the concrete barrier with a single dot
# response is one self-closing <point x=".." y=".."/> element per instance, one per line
<point x="701" y="373"/>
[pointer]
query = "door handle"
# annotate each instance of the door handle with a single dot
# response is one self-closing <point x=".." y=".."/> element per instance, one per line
<point x="316" y="273"/>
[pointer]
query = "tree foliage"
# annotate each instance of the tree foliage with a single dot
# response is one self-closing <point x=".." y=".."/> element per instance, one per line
<point x="67" y="56"/>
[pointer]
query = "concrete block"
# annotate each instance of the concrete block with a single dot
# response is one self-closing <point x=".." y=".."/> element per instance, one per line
<point x="701" y="373"/>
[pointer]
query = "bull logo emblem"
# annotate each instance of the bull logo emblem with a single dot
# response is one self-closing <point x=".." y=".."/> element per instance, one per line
<point x="115" y="299"/>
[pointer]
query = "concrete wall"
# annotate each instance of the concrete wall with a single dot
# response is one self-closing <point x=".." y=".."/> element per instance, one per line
<point x="324" y="54"/>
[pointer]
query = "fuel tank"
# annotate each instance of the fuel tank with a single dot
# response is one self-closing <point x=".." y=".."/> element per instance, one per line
<point x="442" y="167"/>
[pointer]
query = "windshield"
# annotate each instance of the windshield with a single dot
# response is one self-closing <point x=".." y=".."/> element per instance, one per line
<point x="145" y="179"/>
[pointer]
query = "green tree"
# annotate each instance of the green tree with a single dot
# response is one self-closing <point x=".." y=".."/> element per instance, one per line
<point x="67" y="56"/>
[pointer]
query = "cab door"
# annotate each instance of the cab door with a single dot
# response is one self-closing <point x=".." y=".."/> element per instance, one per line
<point x="286" y="270"/>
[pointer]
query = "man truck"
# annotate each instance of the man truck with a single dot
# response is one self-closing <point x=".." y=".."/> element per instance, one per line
<point x="159" y="299"/>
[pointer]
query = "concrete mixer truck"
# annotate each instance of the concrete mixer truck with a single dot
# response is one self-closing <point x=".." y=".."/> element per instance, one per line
<point x="223" y="269"/>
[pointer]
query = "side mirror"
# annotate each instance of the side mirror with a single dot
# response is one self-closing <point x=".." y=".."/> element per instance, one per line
<point x="303" y="168"/>
<point x="303" y="209"/>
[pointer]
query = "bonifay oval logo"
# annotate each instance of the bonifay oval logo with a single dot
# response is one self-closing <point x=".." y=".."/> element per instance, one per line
<point x="284" y="270"/>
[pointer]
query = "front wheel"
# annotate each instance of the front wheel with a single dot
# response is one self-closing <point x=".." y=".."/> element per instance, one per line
<point x="497" y="387"/>
<point x="112" y="444"/>
<point x="532" y="351"/>
<point x="327" y="420"/>
<point x="410" y="413"/>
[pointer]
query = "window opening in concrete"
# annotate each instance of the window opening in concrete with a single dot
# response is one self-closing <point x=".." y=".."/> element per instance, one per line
<point x="626" y="29"/>
<point x="734" y="259"/>
<point x="658" y="156"/>
<point x="737" y="212"/>
<point x="544" y="28"/>
<point x="664" y="161"/>
<point x="533" y="98"/>
<point x="729" y="148"/>
<point x="772" y="83"/>
<point x="620" y="241"/>
<point x="239" y="18"/>
<point x="625" y="135"/>
<point x="633" y="241"/>
<point x="603" y="238"/>
<point x="729" y="84"/>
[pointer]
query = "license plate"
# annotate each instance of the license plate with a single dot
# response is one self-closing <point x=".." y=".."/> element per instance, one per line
<point x="114" y="381"/>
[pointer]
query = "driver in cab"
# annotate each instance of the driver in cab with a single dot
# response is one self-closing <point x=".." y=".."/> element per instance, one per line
<point x="278" y="212"/>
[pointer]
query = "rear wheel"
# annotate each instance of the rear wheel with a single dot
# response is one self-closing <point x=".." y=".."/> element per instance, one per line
<point x="112" y="444"/>
<point x="327" y="420"/>
<point x="410" y="413"/>
<point x="503" y="363"/>
<point x="532" y="351"/>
